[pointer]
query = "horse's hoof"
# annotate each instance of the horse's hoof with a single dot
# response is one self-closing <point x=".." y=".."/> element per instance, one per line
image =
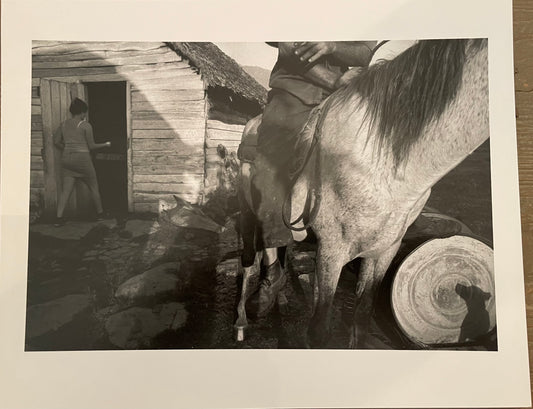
<point x="239" y="332"/>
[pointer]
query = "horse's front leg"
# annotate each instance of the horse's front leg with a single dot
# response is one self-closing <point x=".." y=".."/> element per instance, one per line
<point x="366" y="291"/>
<point x="242" y="320"/>
<point x="249" y="259"/>
<point x="329" y="263"/>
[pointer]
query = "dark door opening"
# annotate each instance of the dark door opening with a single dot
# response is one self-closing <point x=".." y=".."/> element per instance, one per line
<point x="107" y="115"/>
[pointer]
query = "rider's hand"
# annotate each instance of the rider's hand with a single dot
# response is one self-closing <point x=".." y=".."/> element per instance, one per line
<point x="312" y="51"/>
<point x="108" y="144"/>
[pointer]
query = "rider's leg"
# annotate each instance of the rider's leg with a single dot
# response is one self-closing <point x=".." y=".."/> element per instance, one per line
<point x="262" y="301"/>
<point x="283" y="119"/>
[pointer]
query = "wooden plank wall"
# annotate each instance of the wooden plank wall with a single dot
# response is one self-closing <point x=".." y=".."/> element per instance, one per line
<point x="219" y="133"/>
<point x="37" y="166"/>
<point x="167" y="118"/>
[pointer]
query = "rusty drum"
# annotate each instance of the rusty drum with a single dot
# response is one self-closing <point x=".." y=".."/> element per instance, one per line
<point x="443" y="291"/>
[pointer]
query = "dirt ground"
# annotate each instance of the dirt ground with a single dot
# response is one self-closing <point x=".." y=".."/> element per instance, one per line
<point x="76" y="271"/>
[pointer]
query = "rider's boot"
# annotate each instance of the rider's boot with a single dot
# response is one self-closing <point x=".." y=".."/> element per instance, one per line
<point x="261" y="302"/>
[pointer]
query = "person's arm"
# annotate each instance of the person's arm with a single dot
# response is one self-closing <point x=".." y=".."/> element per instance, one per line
<point x="88" y="132"/>
<point x="307" y="55"/>
<point x="349" y="53"/>
<point x="59" y="142"/>
<point x="319" y="75"/>
<point x="316" y="73"/>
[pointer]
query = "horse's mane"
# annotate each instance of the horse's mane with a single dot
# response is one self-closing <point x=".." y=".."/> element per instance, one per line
<point x="404" y="95"/>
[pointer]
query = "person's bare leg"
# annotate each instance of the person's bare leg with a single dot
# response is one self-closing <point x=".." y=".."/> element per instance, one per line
<point x="95" y="194"/>
<point x="68" y="186"/>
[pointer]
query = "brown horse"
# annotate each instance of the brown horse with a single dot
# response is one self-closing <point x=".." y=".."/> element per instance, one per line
<point x="382" y="142"/>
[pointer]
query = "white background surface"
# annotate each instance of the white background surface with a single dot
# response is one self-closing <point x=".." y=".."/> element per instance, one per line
<point x="257" y="378"/>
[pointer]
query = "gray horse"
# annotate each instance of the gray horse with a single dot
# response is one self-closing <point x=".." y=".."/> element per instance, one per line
<point x="377" y="146"/>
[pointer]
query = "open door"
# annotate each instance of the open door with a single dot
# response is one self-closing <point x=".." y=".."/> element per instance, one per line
<point x="108" y="116"/>
<point x="56" y="97"/>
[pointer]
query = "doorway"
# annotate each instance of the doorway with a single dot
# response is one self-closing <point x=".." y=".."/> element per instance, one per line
<point x="107" y="115"/>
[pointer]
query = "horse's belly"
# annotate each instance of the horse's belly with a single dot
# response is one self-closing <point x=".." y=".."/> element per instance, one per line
<point x="385" y="231"/>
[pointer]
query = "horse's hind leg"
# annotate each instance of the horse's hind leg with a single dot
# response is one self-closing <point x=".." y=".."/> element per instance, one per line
<point x="368" y="283"/>
<point x="330" y="260"/>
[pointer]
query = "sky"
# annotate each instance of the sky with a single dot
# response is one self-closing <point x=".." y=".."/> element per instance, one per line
<point x="258" y="54"/>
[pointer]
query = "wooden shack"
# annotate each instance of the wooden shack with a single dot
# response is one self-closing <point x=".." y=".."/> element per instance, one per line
<point x="165" y="107"/>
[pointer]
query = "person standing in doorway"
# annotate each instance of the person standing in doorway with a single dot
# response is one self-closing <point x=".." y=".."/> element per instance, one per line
<point x="75" y="138"/>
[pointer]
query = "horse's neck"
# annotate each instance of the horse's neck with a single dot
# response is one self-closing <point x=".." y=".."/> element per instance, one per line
<point x="462" y="127"/>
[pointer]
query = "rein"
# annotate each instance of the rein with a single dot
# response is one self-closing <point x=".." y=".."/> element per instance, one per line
<point x="313" y="191"/>
<point x="377" y="47"/>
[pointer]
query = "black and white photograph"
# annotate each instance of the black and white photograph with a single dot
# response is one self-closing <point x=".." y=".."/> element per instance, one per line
<point x="278" y="205"/>
<point x="332" y="195"/>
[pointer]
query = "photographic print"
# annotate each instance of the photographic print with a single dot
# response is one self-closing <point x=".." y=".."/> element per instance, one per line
<point x="286" y="195"/>
<point x="211" y="204"/>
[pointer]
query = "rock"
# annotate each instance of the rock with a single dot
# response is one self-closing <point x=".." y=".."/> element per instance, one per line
<point x="125" y="234"/>
<point x="105" y="312"/>
<point x="159" y="282"/>
<point x="136" y="327"/>
<point x="52" y="315"/>
<point x="301" y="262"/>
<point x="109" y="223"/>
<point x="137" y="228"/>
<point x="229" y="268"/>
<point x="69" y="231"/>
<point x="186" y="215"/>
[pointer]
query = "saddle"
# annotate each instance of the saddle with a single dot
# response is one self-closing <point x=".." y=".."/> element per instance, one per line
<point x="247" y="150"/>
<point x="303" y="149"/>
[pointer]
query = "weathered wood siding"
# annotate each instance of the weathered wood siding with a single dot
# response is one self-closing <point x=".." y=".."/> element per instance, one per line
<point x="219" y="133"/>
<point x="37" y="166"/>
<point x="167" y="116"/>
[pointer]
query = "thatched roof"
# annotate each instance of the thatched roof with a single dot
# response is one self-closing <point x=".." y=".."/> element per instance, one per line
<point x="220" y="70"/>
